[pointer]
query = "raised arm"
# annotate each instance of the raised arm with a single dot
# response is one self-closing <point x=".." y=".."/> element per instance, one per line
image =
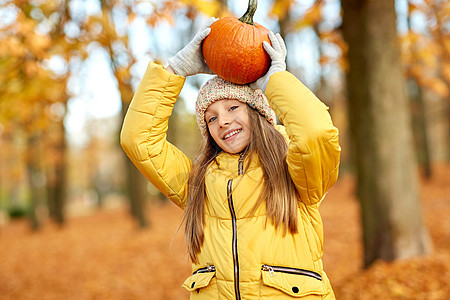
<point x="314" y="151"/>
<point x="143" y="135"/>
<point x="144" y="129"/>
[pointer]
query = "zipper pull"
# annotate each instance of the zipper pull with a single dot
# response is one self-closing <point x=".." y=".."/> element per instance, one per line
<point x="209" y="267"/>
<point x="241" y="164"/>
<point x="270" y="269"/>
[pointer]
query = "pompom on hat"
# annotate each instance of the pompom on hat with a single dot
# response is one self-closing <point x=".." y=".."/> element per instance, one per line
<point x="217" y="89"/>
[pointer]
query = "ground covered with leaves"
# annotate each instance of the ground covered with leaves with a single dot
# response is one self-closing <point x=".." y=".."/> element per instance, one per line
<point x="105" y="256"/>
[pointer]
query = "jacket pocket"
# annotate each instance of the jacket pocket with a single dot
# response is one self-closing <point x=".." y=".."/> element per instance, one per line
<point x="292" y="281"/>
<point x="201" y="278"/>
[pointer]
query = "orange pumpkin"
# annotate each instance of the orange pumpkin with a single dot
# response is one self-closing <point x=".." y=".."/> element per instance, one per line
<point x="233" y="50"/>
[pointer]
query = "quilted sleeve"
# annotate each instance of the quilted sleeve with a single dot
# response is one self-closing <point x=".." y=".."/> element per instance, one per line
<point x="314" y="151"/>
<point x="143" y="135"/>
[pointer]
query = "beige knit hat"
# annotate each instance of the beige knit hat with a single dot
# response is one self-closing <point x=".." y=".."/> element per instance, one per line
<point x="218" y="89"/>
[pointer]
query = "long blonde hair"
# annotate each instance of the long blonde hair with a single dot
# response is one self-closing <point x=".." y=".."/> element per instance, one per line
<point x="278" y="190"/>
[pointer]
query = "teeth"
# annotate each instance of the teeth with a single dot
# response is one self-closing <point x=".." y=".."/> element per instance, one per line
<point x="232" y="133"/>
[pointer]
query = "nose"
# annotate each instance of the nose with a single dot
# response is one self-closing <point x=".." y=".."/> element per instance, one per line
<point x="224" y="121"/>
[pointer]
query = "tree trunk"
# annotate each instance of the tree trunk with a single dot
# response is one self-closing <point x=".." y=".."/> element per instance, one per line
<point x="380" y="124"/>
<point x="137" y="193"/>
<point x="441" y="36"/>
<point x="420" y="127"/>
<point x="35" y="181"/>
<point x="59" y="187"/>
<point x="419" y="113"/>
<point x="136" y="186"/>
<point x="136" y="183"/>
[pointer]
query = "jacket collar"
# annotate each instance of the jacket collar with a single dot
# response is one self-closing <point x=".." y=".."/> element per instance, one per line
<point x="228" y="161"/>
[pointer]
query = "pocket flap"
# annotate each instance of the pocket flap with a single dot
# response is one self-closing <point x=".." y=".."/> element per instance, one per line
<point x="197" y="281"/>
<point x="293" y="284"/>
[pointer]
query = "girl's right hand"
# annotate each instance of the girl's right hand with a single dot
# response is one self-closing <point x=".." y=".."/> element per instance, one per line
<point x="189" y="60"/>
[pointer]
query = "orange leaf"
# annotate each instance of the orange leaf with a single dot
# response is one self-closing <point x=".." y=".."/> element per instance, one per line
<point x="445" y="70"/>
<point x="281" y="7"/>
<point x="210" y="8"/>
<point x="324" y="59"/>
<point x="437" y="86"/>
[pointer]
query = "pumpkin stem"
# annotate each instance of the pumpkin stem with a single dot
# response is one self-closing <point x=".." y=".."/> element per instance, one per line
<point x="251" y="9"/>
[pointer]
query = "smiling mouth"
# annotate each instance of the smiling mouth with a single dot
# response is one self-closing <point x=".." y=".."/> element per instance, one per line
<point x="232" y="133"/>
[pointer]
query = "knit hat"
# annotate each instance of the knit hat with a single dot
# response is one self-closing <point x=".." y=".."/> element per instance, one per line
<point x="218" y="89"/>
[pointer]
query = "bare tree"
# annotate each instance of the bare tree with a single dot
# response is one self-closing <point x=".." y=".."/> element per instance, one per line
<point x="388" y="185"/>
<point x="136" y="182"/>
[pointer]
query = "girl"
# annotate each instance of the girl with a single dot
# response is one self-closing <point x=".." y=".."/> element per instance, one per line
<point x="251" y="197"/>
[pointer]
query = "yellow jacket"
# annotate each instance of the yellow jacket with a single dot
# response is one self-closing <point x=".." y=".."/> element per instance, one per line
<point x="242" y="256"/>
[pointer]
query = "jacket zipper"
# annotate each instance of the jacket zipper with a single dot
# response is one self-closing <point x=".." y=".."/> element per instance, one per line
<point x="207" y="269"/>
<point x="234" y="241"/>
<point x="273" y="269"/>
<point x="234" y="224"/>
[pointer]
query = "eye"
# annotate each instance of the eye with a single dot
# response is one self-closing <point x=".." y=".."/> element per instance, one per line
<point x="234" y="107"/>
<point x="212" y="119"/>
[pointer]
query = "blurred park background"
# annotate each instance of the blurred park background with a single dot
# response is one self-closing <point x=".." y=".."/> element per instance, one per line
<point x="78" y="220"/>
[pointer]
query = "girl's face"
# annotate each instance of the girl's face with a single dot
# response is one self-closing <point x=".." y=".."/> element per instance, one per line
<point x="229" y="124"/>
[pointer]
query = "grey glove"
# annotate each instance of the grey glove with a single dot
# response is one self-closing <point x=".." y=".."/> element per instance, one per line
<point x="189" y="60"/>
<point x="277" y="53"/>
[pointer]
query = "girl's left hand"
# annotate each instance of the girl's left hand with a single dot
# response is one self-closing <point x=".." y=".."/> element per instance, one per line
<point x="277" y="53"/>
